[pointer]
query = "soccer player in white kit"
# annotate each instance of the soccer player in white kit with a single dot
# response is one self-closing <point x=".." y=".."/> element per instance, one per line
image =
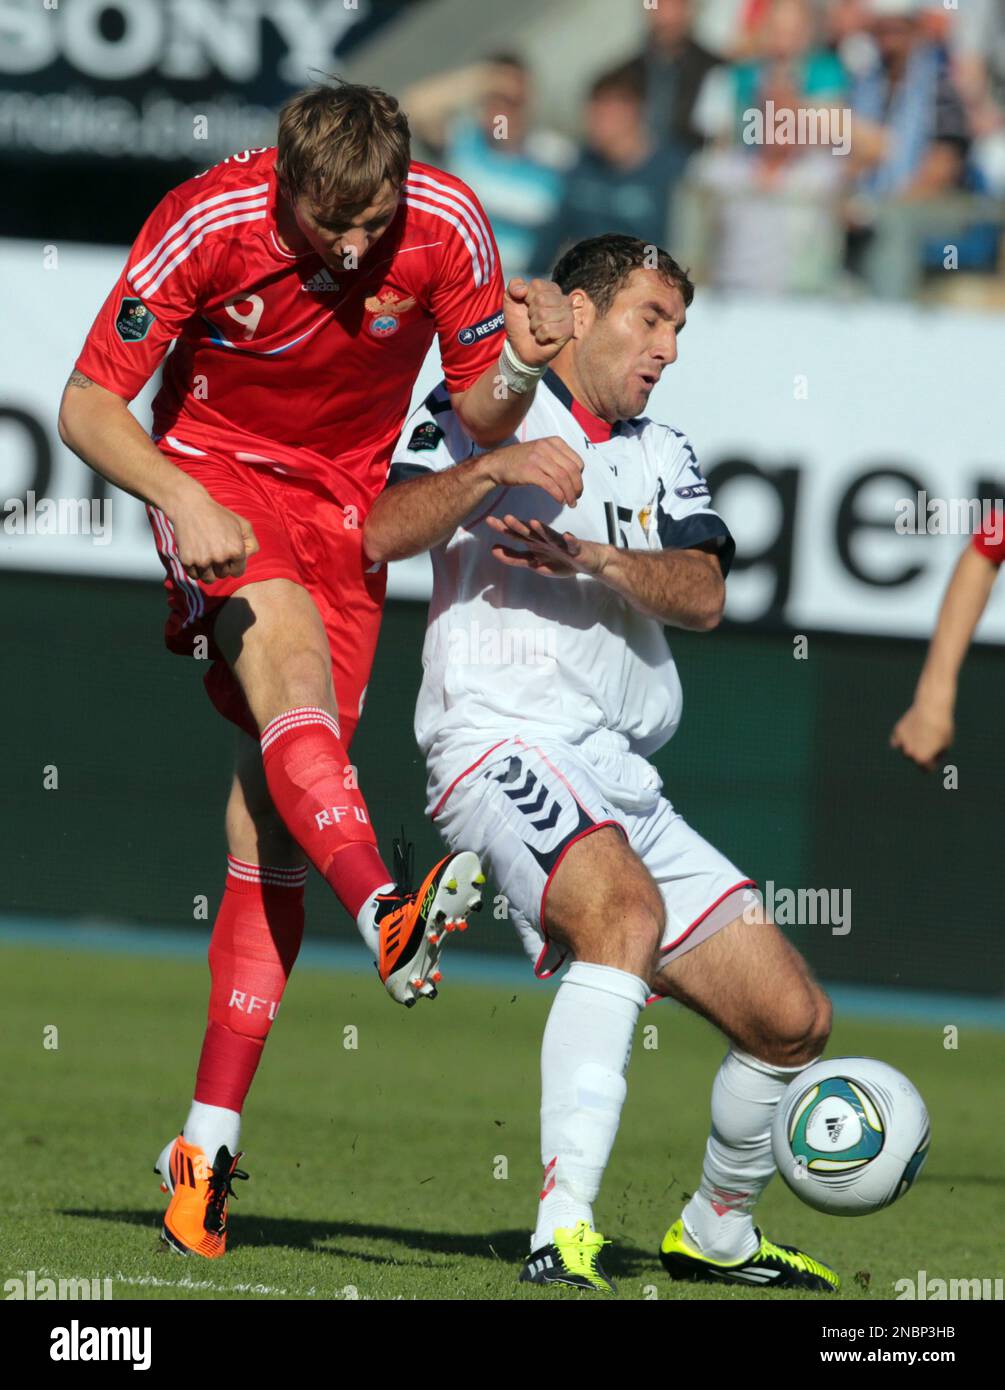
<point x="558" y="558"/>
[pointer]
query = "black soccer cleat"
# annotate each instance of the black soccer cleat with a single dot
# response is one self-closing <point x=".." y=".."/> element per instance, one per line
<point x="573" y="1259"/>
<point x="770" y="1267"/>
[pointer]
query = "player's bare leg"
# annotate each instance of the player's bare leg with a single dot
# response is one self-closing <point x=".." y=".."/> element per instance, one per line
<point x="274" y="640"/>
<point x="756" y="988"/>
<point x="752" y="984"/>
<point x="603" y="904"/>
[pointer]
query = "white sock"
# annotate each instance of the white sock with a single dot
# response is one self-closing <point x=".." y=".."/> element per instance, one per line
<point x="584" y="1056"/>
<point x="209" y="1126"/>
<point x="366" y="924"/>
<point x="738" y="1161"/>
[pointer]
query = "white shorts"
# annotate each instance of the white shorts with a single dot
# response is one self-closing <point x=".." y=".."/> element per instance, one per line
<point x="520" y="804"/>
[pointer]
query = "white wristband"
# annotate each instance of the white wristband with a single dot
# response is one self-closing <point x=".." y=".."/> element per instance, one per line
<point x="516" y="374"/>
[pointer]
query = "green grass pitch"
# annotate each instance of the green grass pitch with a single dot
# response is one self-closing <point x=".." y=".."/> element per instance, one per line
<point x="407" y="1166"/>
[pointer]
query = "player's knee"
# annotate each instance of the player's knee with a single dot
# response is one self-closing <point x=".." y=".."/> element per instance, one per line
<point x="305" y="678"/>
<point x="633" y="930"/>
<point x="800" y="1026"/>
<point x="822" y="1025"/>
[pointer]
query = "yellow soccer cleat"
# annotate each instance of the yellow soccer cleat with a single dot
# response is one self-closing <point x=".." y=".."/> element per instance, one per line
<point x="770" y="1267"/>
<point x="573" y="1258"/>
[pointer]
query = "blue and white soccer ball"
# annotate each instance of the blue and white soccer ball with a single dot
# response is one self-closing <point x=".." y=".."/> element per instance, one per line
<point x="850" y="1135"/>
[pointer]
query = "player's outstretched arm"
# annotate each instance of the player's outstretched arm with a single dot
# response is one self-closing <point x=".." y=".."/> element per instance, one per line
<point x="682" y="588"/>
<point x="411" y="517"/>
<point x="925" y="732"/>
<point x="539" y="323"/>
<point x="213" y="543"/>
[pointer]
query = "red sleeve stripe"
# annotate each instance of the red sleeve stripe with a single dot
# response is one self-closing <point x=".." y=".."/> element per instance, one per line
<point x="189" y="231"/>
<point x="454" y="207"/>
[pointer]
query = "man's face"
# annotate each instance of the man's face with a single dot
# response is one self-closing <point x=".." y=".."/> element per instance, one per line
<point x="509" y="97"/>
<point x="613" y="122"/>
<point x="620" y="357"/>
<point x="670" y="22"/>
<point x="333" y="237"/>
<point x="788" y="32"/>
<point x="895" y="37"/>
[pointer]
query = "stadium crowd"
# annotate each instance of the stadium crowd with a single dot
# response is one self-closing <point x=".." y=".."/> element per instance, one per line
<point x="818" y="145"/>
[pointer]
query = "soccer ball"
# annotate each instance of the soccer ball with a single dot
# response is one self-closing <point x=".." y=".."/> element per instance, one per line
<point x="850" y="1135"/>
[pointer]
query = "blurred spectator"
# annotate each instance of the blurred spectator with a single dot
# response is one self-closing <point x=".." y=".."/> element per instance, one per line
<point x="770" y="224"/>
<point x="477" y="121"/>
<point x="910" y="127"/>
<point x="783" y="49"/>
<point x="845" y="25"/>
<point x="672" y="69"/>
<point x="623" y="178"/>
<point x="978" y="51"/>
<point x="723" y="26"/>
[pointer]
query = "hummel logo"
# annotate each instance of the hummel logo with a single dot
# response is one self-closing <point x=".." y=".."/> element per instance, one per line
<point x="320" y="282"/>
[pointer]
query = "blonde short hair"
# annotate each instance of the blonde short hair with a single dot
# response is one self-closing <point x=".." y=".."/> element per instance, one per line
<point x="339" y="143"/>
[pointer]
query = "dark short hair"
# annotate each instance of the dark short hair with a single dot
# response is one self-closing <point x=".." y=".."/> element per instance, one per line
<point x="601" y="265"/>
<point x="627" y="79"/>
<point x="507" y="60"/>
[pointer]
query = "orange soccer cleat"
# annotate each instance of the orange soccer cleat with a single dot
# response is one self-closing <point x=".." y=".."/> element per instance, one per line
<point x="195" y="1222"/>
<point x="414" y="926"/>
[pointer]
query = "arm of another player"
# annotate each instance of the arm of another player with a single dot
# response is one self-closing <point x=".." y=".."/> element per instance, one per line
<point x="682" y="588"/>
<point x="539" y="322"/>
<point x="411" y="517"/>
<point x="97" y="424"/>
<point x="491" y="392"/>
<point x="927" y="729"/>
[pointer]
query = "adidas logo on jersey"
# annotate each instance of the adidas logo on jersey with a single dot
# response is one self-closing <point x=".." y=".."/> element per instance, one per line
<point x="320" y="282"/>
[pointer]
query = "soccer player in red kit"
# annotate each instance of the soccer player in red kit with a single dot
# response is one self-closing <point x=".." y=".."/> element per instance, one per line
<point x="301" y="287"/>
<point x="928" y="728"/>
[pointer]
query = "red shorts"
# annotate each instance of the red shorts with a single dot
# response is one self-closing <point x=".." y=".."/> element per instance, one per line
<point x="302" y="536"/>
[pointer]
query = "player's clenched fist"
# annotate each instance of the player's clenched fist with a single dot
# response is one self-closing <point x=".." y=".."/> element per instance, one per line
<point x="539" y="320"/>
<point x="213" y="542"/>
<point x="547" y="463"/>
<point x="923" y="734"/>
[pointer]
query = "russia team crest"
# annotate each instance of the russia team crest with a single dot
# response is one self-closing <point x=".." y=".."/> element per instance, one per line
<point x="386" y="309"/>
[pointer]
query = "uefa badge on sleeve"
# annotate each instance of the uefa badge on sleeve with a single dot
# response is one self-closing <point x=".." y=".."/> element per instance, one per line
<point x="133" y="321"/>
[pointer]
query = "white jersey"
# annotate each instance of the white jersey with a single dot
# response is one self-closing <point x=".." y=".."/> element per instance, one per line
<point x="509" y="651"/>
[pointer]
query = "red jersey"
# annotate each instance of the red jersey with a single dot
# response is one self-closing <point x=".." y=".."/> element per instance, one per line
<point x="990" y="539"/>
<point x="278" y="360"/>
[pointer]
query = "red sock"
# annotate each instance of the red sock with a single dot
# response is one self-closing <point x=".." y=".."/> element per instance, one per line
<point x="307" y="770"/>
<point x="255" y="941"/>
